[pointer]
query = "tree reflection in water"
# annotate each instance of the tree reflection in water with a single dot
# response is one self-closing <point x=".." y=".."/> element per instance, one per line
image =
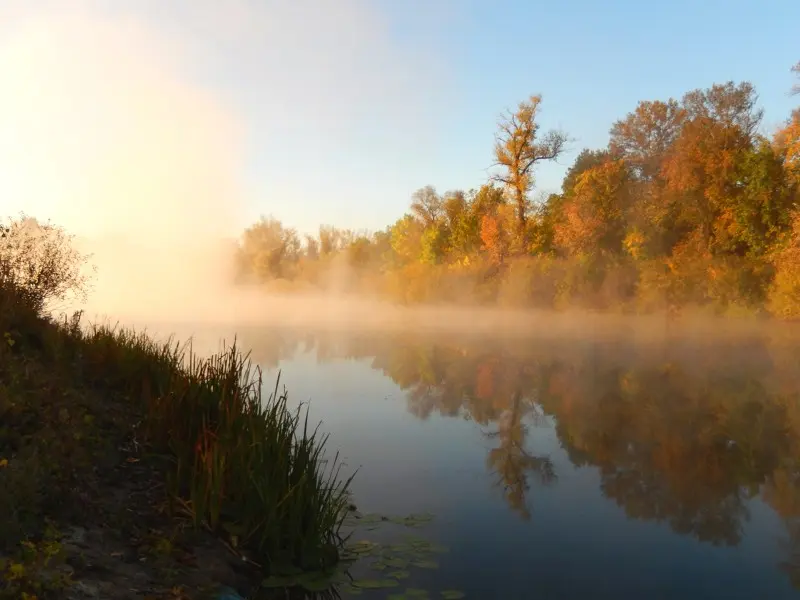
<point x="682" y="433"/>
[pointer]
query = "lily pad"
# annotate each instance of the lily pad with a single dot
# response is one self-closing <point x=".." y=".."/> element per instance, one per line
<point x="453" y="595"/>
<point x="400" y="574"/>
<point x="375" y="584"/>
<point x="397" y="563"/>
<point x="278" y="581"/>
<point x="315" y="585"/>
<point x="426" y="564"/>
<point x="415" y="539"/>
<point x="347" y="556"/>
<point x="284" y="570"/>
<point x="349" y="589"/>
<point x="363" y="547"/>
<point x="372" y="518"/>
<point x="421" y="517"/>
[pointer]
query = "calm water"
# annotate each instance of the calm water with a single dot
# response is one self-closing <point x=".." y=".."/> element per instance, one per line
<point x="571" y="469"/>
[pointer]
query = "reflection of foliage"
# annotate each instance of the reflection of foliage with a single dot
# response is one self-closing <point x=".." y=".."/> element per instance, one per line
<point x="512" y="463"/>
<point x="681" y="434"/>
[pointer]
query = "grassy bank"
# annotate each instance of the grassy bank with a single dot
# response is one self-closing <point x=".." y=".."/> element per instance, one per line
<point x="130" y="468"/>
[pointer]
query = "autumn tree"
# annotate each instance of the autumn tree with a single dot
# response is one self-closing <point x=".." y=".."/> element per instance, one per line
<point x="406" y="239"/>
<point x="586" y="160"/>
<point x="359" y="252"/>
<point x="333" y="240"/>
<point x="594" y="213"/>
<point x="311" y="247"/>
<point x="495" y="232"/>
<point x="760" y="206"/>
<point x="787" y="141"/>
<point x="427" y="205"/>
<point x="454" y="205"/>
<point x="433" y="244"/>
<point x="486" y="200"/>
<point x="519" y="147"/>
<point x="462" y="224"/>
<point x="784" y="293"/>
<point x="704" y="160"/>
<point x="643" y="138"/>
<point x="267" y="250"/>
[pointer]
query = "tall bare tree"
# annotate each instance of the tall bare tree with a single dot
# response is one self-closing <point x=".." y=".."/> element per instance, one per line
<point x="518" y="148"/>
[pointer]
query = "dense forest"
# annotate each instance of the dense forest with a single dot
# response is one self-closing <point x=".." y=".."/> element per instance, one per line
<point x="691" y="204"/>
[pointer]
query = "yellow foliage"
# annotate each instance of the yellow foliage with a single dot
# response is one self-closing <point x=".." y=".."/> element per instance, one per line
<point x="784" y="293"/>
<point x="788" y="142"/>
<point x="634" y="243"/>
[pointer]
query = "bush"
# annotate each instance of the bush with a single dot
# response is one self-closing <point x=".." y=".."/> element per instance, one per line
<point x="39" y="263"/>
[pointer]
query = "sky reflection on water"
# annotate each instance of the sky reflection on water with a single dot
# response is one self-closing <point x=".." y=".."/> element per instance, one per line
<point x="594" y="469"/>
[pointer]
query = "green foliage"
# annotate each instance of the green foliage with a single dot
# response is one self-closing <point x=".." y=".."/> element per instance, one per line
<point x="406" y="239"/>
<point x="762" y="207"/>
<point x="433" y="244"/>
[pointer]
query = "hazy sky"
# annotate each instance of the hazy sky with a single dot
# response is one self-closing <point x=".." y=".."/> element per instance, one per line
<point x="140" y="113"/>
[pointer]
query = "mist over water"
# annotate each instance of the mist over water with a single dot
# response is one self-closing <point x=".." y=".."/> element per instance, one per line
<point x="573" y="466"/>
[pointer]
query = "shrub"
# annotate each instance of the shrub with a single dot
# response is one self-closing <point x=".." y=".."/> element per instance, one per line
<point x="38" y="261"/>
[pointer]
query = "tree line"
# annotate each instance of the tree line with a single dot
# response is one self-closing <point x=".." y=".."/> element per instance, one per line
<point x="689" y="204"/>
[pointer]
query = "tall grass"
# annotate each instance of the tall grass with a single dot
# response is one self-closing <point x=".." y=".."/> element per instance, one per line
<point x="245" y="466"/>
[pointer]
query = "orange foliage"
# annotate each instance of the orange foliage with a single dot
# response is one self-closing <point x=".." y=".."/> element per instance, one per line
<point x="593" y="214"/>
<point x="788" y="141"/>
<point x="484" y="381"/>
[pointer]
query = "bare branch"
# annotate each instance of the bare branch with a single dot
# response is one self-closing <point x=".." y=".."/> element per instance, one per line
<point x="796" y="87"/>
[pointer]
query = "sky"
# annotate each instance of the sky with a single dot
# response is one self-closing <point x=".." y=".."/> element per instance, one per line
<point x="200" y="115"/>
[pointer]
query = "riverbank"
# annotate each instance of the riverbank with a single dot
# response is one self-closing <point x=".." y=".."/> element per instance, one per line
<point x="130" y="469"/>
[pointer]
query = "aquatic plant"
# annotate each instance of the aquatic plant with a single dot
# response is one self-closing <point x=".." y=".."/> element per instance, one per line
<point x="380" y="566"/>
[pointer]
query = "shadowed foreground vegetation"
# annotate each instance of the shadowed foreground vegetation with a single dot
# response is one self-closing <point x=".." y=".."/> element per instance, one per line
<point x="134" y="468"/>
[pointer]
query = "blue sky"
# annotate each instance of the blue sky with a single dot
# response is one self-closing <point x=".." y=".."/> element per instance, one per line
<point x="591" y="61"/>
<point x="335" y="111"/>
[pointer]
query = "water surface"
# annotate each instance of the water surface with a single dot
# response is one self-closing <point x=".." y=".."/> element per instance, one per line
<point x="572" y="468"/>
